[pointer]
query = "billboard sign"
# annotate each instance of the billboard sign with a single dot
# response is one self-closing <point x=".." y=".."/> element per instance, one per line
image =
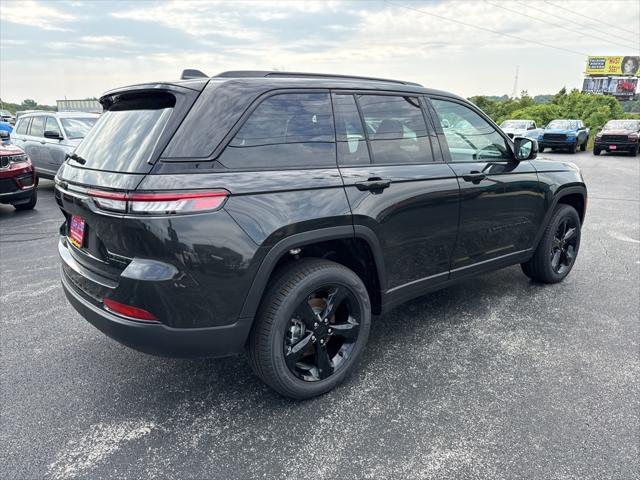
<point x="623" y="88"/>
<point x="610" y="65"/>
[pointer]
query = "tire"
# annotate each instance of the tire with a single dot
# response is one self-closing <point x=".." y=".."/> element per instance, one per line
<point x="634" y="152"/>
<point x="540" y="149"/>
<point x="28" y="205"/>
<point x="278" y="319"/>
<point x="596" y="151"/>
<point x="573" y="148"/>
<point x="583" y="146"/>
<point x="542" y="266"/>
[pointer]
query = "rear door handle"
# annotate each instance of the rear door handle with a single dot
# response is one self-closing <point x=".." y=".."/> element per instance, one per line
<point x="474" y="176"/>
<point x="373" y="184"/>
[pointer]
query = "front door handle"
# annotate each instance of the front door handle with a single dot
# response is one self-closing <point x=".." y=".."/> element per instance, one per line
<point x="373" y="184"/>
<point x="474" y="176"/>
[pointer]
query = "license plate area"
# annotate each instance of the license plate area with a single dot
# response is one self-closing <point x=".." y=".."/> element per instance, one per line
<point x="77" y="230"/>
<point x="613" y="147"/>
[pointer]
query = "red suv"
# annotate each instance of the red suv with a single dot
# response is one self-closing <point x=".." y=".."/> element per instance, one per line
<point x="18" y="181"/>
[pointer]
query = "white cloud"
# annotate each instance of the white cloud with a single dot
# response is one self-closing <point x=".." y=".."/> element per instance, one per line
<point x="34" y="14"/>
<point x="192" y="17"/>
<point x="106" y="40"/>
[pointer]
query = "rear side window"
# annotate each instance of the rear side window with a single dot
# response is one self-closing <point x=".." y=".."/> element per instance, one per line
<point x="396" y="128"/>
<point x="37" y="127"/>
<point x="126" y="134"/>
<point x="350" y="139"/>
<point x="285" y="130"/>
<point x="21" y="126"/>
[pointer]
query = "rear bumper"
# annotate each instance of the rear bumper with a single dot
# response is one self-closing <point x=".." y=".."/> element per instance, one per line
<point x="159" y="339"/>
<point x="153" y="338"/>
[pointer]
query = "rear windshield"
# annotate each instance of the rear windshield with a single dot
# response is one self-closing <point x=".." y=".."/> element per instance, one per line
<point x="77" y="127"/>
<point x="126" y="135"/>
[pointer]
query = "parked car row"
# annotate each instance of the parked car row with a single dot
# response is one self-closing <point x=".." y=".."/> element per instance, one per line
<point x="566" y="134"/>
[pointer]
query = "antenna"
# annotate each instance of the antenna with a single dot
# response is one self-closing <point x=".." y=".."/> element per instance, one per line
<point x="515" y="83"/>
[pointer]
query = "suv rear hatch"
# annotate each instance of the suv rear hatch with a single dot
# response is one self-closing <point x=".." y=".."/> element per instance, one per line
<point x="94" y="186"/>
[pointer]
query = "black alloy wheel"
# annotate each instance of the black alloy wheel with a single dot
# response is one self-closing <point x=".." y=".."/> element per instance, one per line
<point x="311" y="328"/>
<point x="322" y="333"/>
<point x="557" y="250"/>
<point x="564" y="246"/>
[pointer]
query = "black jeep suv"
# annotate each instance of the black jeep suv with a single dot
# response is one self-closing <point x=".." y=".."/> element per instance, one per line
<point x="277" y="213"/>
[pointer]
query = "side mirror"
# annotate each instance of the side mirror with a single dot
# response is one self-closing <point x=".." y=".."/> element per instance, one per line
<point x="599" y="129"/>
<point x="543" y="126"/>
<point x="525" y="148"/>
<point x="52" y="134"/>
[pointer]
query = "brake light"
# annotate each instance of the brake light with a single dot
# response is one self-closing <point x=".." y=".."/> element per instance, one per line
<point x="162" y="203"/>
<point x="129" y="311"/>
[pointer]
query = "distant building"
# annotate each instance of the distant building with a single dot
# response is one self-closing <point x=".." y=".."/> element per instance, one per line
<point x="91" y="106"/>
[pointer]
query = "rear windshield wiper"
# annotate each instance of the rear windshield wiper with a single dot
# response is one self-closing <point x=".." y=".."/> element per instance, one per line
<point x="76" y="157"/>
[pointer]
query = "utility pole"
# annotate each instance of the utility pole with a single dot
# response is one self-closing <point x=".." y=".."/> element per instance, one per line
<point x="515" y="83"/>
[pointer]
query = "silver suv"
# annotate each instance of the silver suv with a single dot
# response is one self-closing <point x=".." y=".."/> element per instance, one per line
<point x="48" y="136"/>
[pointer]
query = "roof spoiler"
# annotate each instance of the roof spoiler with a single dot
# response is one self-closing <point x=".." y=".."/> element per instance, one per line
<point x="191" y="73"/>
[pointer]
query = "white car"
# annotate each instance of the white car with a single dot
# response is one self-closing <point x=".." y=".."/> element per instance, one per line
<point x="520" y="128"/>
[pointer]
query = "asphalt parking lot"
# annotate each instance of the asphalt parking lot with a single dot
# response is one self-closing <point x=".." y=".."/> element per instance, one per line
<point x="493" y="378"/>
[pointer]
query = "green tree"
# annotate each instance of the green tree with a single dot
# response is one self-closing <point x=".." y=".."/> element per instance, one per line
<point x="29" y="104"/>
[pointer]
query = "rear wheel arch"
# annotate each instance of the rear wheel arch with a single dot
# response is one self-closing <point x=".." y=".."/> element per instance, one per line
<point x="359" y="251"/>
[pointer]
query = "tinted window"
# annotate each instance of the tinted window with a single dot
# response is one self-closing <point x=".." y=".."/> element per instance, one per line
<point x="396" y="128"/>
<point x="21" y="126"/>
<point x="37" y="127"/>
<point x="350" y="138"/>
<point x="125" y="136"/>
<point x="77" y="127"/>
<point x="469" y="136"/>
<point x="287" y="130"/>
<point x="52" y="125"/>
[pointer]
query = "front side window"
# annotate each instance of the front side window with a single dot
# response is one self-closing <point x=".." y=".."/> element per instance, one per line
<point x="285" y="130"/>
<point x="77" y="127"/>
<point x="37" y="127"/>
<point x="469" y="136"/>
<point x="396" y="128"/>
<point x="52" y="126"/>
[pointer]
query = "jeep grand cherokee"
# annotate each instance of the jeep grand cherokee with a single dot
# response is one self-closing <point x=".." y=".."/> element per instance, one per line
<point x="277" y="213"/>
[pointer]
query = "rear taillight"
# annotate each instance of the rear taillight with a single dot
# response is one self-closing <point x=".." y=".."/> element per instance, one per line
<point x="160" y="203"/>
<point x="129" y="311"/>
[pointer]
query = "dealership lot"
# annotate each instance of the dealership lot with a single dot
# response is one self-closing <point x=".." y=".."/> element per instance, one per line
<point x="493" y="378"/>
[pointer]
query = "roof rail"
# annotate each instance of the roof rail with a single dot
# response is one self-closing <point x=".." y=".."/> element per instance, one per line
<point x="267" y="73"/>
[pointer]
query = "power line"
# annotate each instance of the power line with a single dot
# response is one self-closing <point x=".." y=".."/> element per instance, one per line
<point x="485" y="29"/>
<point x="557" y="25"/>
<point x="592" y="19"/>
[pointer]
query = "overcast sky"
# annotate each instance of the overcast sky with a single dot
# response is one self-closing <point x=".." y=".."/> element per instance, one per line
<point x="78" y="49"/>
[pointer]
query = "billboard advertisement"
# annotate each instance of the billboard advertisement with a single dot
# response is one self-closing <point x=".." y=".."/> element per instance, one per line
<point x="611" y="65"/>
<point x="620" y="87"/>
